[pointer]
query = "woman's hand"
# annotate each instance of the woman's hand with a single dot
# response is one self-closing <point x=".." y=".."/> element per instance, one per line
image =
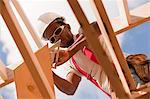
<point x="63" y="57"/>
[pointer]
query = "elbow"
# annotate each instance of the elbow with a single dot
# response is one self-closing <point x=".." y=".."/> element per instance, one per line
<point x="70" y="91"/>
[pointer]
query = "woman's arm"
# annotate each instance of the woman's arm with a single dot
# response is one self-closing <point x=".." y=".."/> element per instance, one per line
<point x="65" y="55"/>
<point x="68" y="85"/>
<point x="79" y="44"/>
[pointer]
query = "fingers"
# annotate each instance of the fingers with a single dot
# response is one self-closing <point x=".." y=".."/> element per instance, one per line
<point x="63" y="57"/>
<point x="54" y="66"/>
<point x="58" y="63"/>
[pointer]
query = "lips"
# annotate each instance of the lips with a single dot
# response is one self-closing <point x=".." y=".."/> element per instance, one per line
<point x="67" y="44"/>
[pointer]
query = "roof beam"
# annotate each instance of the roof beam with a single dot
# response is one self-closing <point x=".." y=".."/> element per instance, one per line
<point x="28" y="24"/>
<point x="124" y="12"/>
<point x="26" y="52"/>
<point x="97" y="48"/>
<point x="110" y="36"/>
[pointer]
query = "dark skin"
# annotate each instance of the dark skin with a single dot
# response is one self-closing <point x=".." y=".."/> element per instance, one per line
<point x="70" y="84"/>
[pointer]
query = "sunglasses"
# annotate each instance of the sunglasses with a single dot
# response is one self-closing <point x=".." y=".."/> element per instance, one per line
<point x="57" y="32"/>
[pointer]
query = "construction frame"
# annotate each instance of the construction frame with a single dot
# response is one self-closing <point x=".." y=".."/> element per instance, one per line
<point x="120" y="73"/>
<point x="115" y="67"/>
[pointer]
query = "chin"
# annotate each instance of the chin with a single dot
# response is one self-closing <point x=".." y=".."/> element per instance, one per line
<point x="68" y="43"/>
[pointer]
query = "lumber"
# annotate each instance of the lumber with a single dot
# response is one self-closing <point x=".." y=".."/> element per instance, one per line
<point x="25" y="50"/>
<point x="98" y="50"/>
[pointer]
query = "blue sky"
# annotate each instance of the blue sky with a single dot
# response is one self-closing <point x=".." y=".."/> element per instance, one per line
<point x="133" y="41"/>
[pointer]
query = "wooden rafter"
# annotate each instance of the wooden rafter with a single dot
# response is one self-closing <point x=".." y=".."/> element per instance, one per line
<point x="137" y="16"/>
<point x="124" y="12"/>
<point x="101" y="55"/>
<point x="102" y="15"/>
<point x="27" y="23"/>
<point x="6" y="75"/>
<point x="28" y="85"/>
<point x="27" y="54"/>
<point x="3" y="71"/>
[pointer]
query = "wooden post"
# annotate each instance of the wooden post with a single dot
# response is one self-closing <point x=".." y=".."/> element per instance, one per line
<point x="6" y="75"/>
<point x="27" y="54"/>
<point x="25" y="84"/>
<point x="27" y="23"/>
<point x="124" y="12"/>
<point x="137" y="15"/>
<point x="3" y="72"/>
<point x="94" y="43"/>
<point x="110" y="35"/>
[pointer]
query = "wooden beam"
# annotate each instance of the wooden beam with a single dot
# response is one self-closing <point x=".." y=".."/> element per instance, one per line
<point x="54" y="49"/>
<point x="3" y="72"/>
<point x="6" y="82"/>
<point x="27" y="54"/>
<point x="141" y="11"/>
<point x="141" y="91"/>
<point x="109" y="34"/>
<point x="124" y="12"/>
<point x="26" y="87"/>
<point x="146" y="96"/>
<point x="101" y="55"/>
<point x="138" y="16"/>
<point x="10" y="77"/>
<point x="28" y="24"/>
<point x="121" y="28"/>
<point x="0" y="9"/>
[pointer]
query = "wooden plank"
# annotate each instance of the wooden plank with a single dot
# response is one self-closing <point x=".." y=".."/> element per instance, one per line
<point x="141" y="91"/>
<point x="10" y="77"/>
<point x="138" y="16"/>
<point x="6" y="75"/>
<point x="0" y="9"/>
<point x="54" y="49"/>
<point x="94" y="43"/>
<point x="124" y="12"/>
<point x="27" y="54"/>
<point x="120" y="28"/>
<point x="25" y="85"/>
<point x="28" y="24"/>
<point x="141" y="11"/>
<point x="3" y="72"/>
<point x="4" y="83"/>
<point x="145" y="96"/>
<point x="110" y="35"/>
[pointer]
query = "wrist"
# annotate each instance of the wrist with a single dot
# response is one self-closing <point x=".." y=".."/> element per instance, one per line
<point x="69" y="52"/>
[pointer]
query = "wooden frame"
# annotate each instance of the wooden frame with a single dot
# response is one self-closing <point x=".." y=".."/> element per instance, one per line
<point x="124" y="12"/>
<point x="29" y="58"/>
<point x="39" y="74"/>
<point x="6" y="75"/>
<point x="137" y="17"/>
<point x="93" y="41"/>
<point x="24" y="79"/>
<point x="109" y="34"/>
<point x="100" y="11"/>
<point x="3" y="71"/>
<point x="27" y="23"/>
<point x="146" y="16"/>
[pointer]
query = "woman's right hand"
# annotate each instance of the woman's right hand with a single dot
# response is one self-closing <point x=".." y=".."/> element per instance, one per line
<point x="63" y="57"/>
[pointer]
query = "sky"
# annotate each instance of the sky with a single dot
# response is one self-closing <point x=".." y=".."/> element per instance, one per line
<point x="133" y="41"/>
